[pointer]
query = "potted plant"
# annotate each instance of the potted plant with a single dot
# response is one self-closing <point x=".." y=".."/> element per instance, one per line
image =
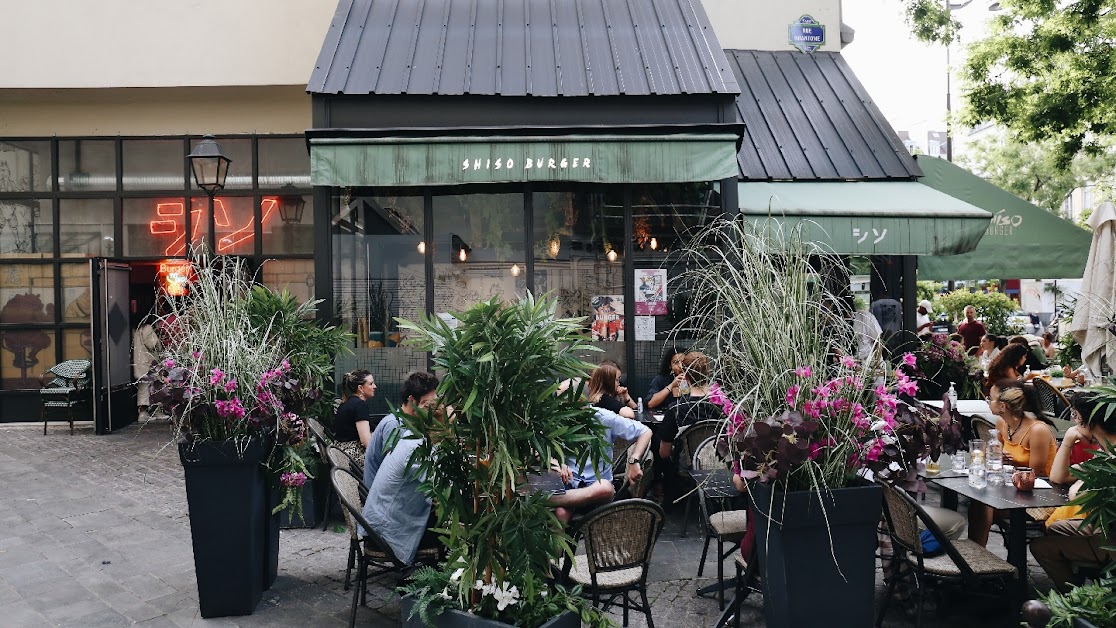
<point x="501" y="365"/>
<point x="236" y="401"/>
<point x="941" y="361"/>
<point x="806" y="418"/>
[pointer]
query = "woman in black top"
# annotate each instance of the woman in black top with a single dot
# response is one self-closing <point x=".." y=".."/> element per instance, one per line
<point x="692" y="408"/>
<point x="351" y="425"/>
<point x="663" y="392"/>
<point x="606" y="392"/>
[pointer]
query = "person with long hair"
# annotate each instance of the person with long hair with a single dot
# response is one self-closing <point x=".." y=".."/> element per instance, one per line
<point x="1048" y="346"/>
<point x="694" y="407"/>
<point x="1008" y="364"/>
<point x="1067" y="541"/>
<point x="663" y="392"/>
<point x="1027" y="442"/>
<point x="352" y="423"/>
<point x="606" y="392"/>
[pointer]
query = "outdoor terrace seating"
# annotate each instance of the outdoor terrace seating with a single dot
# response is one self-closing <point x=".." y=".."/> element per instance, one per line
<point x="65" y="386"/>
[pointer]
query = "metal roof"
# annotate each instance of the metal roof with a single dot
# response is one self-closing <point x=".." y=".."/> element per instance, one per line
<point x="521" y="48"/>
<point x="809" y="118"/>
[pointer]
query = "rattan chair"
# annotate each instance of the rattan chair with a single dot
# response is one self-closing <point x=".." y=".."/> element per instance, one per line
<point x="723" y="524"/>
<point x="619" y="538"/>
<point x="322" y="441"/>
<point x="340" y="460"/>
<point x="964" y="562"/>
<point x="982" y="428"/>
<point x="685" y="444"/>
<point x="65" y="386"/>
<point x="1053" y="405"/>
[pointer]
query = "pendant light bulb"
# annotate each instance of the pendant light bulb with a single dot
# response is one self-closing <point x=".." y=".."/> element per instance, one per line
<point x="555" y="245"/>
<point x="461" y="255"/>
<point x="611" y="255"/>
<point x="422" y="247"/>
<point x="654" y="244"/>
<point x="515" y="270"/>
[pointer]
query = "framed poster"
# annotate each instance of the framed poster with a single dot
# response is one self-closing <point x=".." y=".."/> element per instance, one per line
<point x="608" y="317"/>
<point x="650" y="294"/>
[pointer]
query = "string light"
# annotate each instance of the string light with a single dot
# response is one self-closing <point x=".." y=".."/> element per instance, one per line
<point x="422" y="247"/>
<point x="611" y="255"/>
<point x="515" y="270"/>
<point x="461" y="255"/>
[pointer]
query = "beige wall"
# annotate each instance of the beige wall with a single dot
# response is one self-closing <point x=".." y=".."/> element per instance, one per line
<point x="762" y="24"/>
<point x="160" y="43"/>
<point x="154" y="111"/>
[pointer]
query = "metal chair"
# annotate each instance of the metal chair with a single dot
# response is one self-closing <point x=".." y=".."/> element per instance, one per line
<point x="322" y="442"/>
<point x="964" y="562"/>
<point x="725" y="525"/>
<point x="64" y="386"/>
<point x="685" y="444"/>
<point x="619" y="538"/>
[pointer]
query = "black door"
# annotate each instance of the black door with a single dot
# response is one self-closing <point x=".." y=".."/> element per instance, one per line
<point x="114" y="395"/>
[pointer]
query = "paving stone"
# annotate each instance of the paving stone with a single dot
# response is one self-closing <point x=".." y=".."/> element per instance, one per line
<point x="20" y="614"/>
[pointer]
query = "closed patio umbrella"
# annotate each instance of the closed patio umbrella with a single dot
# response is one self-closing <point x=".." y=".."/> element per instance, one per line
<point x="1093" y="320"/>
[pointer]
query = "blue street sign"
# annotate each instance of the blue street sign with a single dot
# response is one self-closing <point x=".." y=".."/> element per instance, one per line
<point x="806" y="34"/>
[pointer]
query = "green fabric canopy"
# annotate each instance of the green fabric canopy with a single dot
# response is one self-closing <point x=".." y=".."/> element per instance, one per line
<point x="1023" y="241"/>
<point x="867" y="217"/>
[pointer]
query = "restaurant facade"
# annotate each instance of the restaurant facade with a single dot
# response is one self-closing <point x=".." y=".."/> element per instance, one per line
<point x="447" y="152"/>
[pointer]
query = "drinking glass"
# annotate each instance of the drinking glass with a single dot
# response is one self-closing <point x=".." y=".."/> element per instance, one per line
<point x="957" y="461"/>
<point x="976" y="452"/>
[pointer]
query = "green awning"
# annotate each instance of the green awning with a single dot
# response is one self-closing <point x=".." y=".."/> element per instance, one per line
<point x="409" y="161"/>
<point x="1024" y="241"/>
<point x="868" y="217"/>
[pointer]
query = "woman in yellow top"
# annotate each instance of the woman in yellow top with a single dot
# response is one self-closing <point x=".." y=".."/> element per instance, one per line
<point x="1027" y="443"/>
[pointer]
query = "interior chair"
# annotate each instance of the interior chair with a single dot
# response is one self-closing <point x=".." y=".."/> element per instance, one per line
<point x="685" y="444"/>
<point x="724" y="524"/>
<point x="964" y="563"/>
<point x="65" y="386"/>
<point x="619" y="538"/>
<point x="374" y="553"/>
<point x="322" y="442"/>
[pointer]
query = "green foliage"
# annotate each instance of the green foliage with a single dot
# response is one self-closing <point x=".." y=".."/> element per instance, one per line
<point x="928" y="290"/>
<point x="1032" y="170"/>
<point x="1045" y="73"/>
<point x="930" y="21"/>
<point x="1070" y="351"/>
<point x="502" y="366"/>
<point x="1094" y="602"/>
<point x="993" y="308"/>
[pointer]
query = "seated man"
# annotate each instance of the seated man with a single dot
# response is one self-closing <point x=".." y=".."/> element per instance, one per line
<point x="587" y="488"/>
<point x="398" y="512"/>
<point x="418" y="392"/>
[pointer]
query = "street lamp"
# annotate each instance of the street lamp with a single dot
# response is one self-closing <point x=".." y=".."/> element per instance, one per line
<point x="950" y="8"/>
<point x="291" y="204"/>
<point x="210" y="167"/>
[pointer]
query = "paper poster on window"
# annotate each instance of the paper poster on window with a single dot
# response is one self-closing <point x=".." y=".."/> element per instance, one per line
<point x="608" y="317"/>
<point x="650" y="292"/>
<point x="645" y="328"/>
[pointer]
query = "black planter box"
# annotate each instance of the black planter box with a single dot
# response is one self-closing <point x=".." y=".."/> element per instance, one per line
<point x="229" y="502"/>
<point x="313" y="496"/>
<point x="796" y="555"/>
<point x="458" y="619"/>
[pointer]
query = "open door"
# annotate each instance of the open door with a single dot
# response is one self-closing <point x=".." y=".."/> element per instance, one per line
<point x="114" y="395"/>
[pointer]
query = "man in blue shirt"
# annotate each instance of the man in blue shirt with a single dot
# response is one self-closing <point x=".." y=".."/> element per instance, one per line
<point x="584" y="486"/>
<point x="418" y="392"/>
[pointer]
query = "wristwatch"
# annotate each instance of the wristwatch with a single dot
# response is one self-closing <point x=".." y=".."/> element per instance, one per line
<point x="633" y="460"/>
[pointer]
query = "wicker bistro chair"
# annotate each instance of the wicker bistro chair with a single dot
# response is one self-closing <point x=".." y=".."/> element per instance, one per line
<point x="685" y="444"/>
<point x="964" y="562"/>
<point x="724" y="524"/>
<point x="340" y="460"/>
<point x="619" y="538"/>
<point x="64" y="386"/>
<point x="1054" y="406"/>
<point x="374" y="552"/>
<point x="322" y="442"/>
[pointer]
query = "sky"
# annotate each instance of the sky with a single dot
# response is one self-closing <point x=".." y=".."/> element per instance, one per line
<point x="906" y="78"/>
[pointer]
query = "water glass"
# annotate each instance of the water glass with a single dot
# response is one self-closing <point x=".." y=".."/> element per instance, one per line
<point x="976" y="452"/>
<point x="957" y="461"/>
<point x="977" y="477"/>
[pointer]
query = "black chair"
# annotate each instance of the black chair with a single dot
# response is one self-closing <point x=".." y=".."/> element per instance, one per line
<point x="964" y="563"/>
<point x="685" y="444"/>
<point x="619" y="538"/>
<point x="65" y="386"/>
<point x="322" y="442"/>
<point x="727" y="525"/>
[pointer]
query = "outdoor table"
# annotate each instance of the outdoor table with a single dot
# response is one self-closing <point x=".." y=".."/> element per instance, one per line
<point x="542" y="483"/>
<point x="650" y="419"/>
<point x="1012" y="500"/>
<point x="968" y="407"/>
<point x="717" y="482"/>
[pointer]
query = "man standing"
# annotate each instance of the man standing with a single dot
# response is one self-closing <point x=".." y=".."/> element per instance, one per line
<point x="584" y="486"/>
<point x="971" y="330"/>
<point x="924" y="326"/>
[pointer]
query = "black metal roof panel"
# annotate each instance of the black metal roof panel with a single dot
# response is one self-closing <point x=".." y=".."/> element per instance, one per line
<point x="809" y="118"/>
<point x="521" y="48"/>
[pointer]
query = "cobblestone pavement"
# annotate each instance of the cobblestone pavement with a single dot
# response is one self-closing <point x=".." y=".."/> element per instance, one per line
<point x="94" y="533"/>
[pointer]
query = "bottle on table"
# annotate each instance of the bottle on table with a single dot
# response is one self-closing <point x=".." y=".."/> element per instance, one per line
<point x="994" y="458"/>
<point x="639" y="406"/>
<point x="952" y="393"/>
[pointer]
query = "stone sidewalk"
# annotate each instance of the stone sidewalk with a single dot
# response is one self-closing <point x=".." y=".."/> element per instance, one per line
<point x="94" y="533"/>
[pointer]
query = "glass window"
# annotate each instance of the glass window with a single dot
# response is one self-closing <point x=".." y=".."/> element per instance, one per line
<point x="288" y="223"/>
<point x="86" y="165"/>
<point x="155" y="227"/>
<point x="86" y="227"/>
<point x="233" y="220"/>
<point x="26" y="293"/>
<point x="77" y="300"/>
<point x="284" y="161"/>
<point x="26" y="228"/>
<point x="77" y="344"/>
<point x="294" y="275"/>
<point x="240" y="170"/>
<point x="24" y="355"/>
<point x="154" y="164"/>
<point x="24" y="166"/>
<point x="479" y="249"/>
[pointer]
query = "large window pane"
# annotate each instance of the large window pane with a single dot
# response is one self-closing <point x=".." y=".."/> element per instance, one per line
<point x="26" y="297"/>
<point x="287" y="229"/>
<point x="154" y="165"/>
<point x="284" y="161"/>
<point x="294" y="275"/>
<point x="77" y="300"/>
<point x="77" y="344"/>
<point x="86" y="165"/>
<point x="24" y="355"/>
<point x="240" y="170"/>
<point x="24" y="166"/>
<point x="26" y="228"/>
<point x="479" y="249"/>
<point x="155" y="227"/>
<point x="86" y="227"/>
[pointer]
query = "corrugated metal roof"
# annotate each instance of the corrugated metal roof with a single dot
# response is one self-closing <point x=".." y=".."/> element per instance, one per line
<point x="809" y="118"/>
<point x="521" y="48"/>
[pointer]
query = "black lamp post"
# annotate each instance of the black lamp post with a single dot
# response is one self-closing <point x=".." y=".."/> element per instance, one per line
<point x="210" y="167"/>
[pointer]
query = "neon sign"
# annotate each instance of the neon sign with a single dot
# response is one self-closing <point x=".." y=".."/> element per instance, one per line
<point x="176" y="277"/>
<point x="171" y="214"/>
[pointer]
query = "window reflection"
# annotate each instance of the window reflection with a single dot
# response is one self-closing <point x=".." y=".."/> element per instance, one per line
<point x="479" y="249"/>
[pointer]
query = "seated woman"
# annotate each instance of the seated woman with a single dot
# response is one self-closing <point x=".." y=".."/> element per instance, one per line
<point x="606" y="392"/>
<point x="351" y="425"/>
<point x="1027" y="442"/>
<point x="1067" y="541"/>
<point x="990" y="347"/>
<point x="1036" y="359"/>
<point x="1049" y="347"/>
<point x="1008" y="364"/>
<point x="692" y="408"/>
<point x="663" y="392"/>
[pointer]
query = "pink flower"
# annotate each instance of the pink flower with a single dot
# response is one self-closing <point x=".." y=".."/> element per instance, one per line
<point x="293" y="479"/>
<point x="909" y="359"/>
<point x="215" y="377"/>
<point x="810" y="409"/>
<point x="230" y="409"/>
<point x="792" y="396"/>
<point x="874" y="451"/>
<point x="803" y="371"/>
<point x="909" y="388"/>
<point x="848" y="361"/>
<point x="195" y="354"/>
<point x="169" y="363"/>
<point x="230" y="386"/>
